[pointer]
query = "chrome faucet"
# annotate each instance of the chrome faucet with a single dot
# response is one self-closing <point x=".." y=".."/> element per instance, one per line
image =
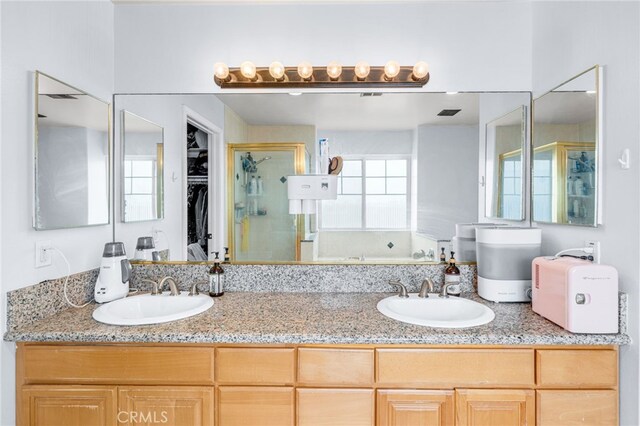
<point x="402" y="290"/>
<point x="426" y="288"/>
<point x="157" y="288"/>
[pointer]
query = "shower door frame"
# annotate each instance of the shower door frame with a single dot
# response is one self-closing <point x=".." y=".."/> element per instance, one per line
<point x="298" y="149"/>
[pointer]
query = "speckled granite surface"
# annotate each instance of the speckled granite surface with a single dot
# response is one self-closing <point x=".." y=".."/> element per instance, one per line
<point x="306" y="278"/>
<point x="331" y="318"/>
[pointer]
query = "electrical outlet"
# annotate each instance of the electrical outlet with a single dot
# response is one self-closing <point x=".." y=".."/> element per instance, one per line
<point x="596" y="249"/>
<point x="43" y="253"/>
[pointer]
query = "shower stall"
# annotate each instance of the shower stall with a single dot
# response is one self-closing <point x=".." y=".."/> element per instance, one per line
<point x="260" y="226"/>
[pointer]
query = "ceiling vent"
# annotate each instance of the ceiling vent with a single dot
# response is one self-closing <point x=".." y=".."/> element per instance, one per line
<point x="367" y="94"/>
<point x="54" y="96"/>
<point x="448" y="112"/>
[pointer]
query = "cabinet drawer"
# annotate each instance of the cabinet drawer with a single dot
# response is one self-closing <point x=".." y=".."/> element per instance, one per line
<point x="255" y="366"/>
<point x="450" y="368"/>
<point x="337" y="367"/>
<point x="353" y="407"/>
<point x="177" y="405"/>
<point x="577" y="368"/>
<point x="587" y="407"/>
<point x="118" y="365"/>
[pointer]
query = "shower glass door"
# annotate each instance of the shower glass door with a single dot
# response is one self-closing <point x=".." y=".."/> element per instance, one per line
<point x="260" y="226"/>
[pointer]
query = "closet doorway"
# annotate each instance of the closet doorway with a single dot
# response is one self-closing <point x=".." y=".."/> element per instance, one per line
<point x="203" y="201"/>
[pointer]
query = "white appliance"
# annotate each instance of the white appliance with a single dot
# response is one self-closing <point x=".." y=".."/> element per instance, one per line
<point x="304" y="190"/>
<point x="504" y="262"/>
<point x="464" y="242"/>
<point x="115" y="270"/>
<point x="146" y="249"/>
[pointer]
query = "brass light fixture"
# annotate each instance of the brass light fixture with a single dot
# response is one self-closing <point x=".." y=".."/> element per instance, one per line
<point x="276" y="75"/>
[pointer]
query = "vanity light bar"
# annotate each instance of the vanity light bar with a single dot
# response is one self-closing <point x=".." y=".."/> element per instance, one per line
<point x="392" y="74"/>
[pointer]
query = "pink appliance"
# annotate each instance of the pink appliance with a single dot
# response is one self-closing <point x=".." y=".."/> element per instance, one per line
<point x="578" y="295"/>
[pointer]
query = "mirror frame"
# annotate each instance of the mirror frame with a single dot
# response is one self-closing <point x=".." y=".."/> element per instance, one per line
<point x="525" y="136"/>
<point x="110" y="159"/>
<point x="599" y="75"/>
<point x="160" y="172"/>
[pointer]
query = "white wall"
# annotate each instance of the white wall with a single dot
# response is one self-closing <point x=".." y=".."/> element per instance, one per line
<point x="569" y="37"/>
<point x="447" y="176"/>
<point x="362" y="142"/>
<point x="469" y="45"/>
<point x="166" y="111"/>
<point x="72" y="41"/>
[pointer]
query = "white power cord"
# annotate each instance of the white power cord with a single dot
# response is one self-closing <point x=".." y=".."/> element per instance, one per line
<point x="586" y="250"/>
<point x="66" y="280"/>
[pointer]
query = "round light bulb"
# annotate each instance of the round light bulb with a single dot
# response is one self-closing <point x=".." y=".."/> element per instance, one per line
<point x="334" y="70"/>
<point x="221" y="70"/>
<point x="391" y="69"/>
<point x="420" y="70"/>
<point x="362" y="70"/>
<point x="276" y="69"/>
<point x="248" y="70"/>
<point x="305" y="70"/>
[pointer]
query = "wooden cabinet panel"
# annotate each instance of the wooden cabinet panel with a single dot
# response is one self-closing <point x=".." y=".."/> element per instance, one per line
<point x="335" y="367"/>
<point x="256" y="406"/>
<point x="415" y="408"/>
<point x="68" y="406"/>
<point x="455" y="367"/>
<point x="577" y="368"/>
<point x="188" y="406"/>
<point x="259" y="366"/>
<point x="335" y="407"/>
<point x="576" y="407"/>
<point x="118" y="365"/>
<point x="481" y="407"/>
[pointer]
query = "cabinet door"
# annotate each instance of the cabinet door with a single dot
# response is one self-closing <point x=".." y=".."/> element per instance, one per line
<point x="68" y="405"/>
<point x="415" y="408"/>
<point x="480" y="407"/>
<point x="577" y="407"/>
<point x="144" y="405"/>
<point x="255" y="406"/>
<point x="335" y="407"/>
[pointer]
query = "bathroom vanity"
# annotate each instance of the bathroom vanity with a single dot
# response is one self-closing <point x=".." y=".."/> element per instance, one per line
<point x="313" y="359"/>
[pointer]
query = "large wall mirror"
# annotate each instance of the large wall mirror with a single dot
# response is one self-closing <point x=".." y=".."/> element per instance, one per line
<point x="142" y="177"/>
<point x="72" y="156"/>
<point x="410" y="173"/>
<point x="505" y="150"/>
<point x="566" y="142"/>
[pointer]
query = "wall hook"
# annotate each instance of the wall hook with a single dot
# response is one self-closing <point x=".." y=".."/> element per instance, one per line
<point x="625" y="159"/>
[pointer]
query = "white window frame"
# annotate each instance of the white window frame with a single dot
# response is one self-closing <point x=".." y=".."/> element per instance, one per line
<point x="154" y="178"/>
<point x="364" y="158"/>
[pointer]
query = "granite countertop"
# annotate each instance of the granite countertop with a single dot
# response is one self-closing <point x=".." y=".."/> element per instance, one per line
<point x="320" y="318"/>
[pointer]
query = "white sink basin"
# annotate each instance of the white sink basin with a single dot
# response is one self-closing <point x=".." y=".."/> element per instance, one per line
<point x="148" y="309"/>
<point x="434" y="311"/>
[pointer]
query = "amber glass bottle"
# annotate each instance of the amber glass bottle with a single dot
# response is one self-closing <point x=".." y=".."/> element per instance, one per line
<point x="216" y="278"/>
<point x="452" y="275"/>
<point x="443" y="257"/>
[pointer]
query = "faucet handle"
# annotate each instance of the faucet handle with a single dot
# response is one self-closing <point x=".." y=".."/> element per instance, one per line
<point x="194" y="288"/>
<point x="402" y="290"/>
<point x="155" y="290"/>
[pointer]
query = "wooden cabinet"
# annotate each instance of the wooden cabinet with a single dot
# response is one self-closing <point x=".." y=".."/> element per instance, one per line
<point x="481" y="407"/>
<point x="255" y="405"/>
<point x="348" y="407"/>
<point x="67" y="405"/>
<point x="386" y="385"/>
<point x="577" y="407"/>
<point x="415" y="407"/>
<point x="179" y="406"/>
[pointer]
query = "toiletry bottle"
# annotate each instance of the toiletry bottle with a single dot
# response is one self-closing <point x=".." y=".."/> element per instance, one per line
<point x="227" y="258"/>
<point x="216" y="278"/>
<point x="452" y="275"/>
<point x="260" y="186"/>
<point x="578" y="186"/>
<point x="443" y="257"/>
<point x="253" y="186"/>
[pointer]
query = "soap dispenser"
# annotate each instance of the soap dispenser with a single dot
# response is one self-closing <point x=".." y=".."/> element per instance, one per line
<point x="452" y="277"/>
<point x="443" y="257"/>
<point x="216" y="278"/>
<point x="227" y="257"/>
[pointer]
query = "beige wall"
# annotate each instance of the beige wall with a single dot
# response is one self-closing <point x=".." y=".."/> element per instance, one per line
<point x="235" y="128"/>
